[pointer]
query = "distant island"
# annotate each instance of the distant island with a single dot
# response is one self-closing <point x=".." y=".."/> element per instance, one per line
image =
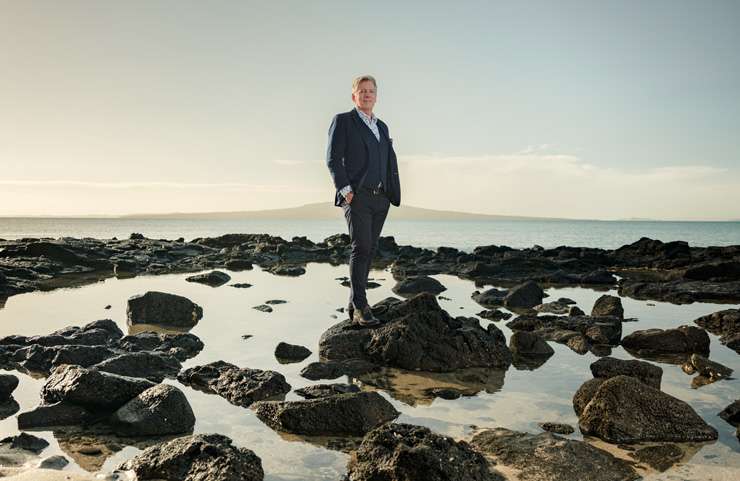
<point x="327" y="211"/>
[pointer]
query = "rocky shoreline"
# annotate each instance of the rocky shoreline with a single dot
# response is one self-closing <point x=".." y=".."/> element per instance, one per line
<point x="101" y="382"/>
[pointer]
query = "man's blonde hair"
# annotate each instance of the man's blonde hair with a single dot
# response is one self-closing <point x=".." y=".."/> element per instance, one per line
<point x="363" y="78"/>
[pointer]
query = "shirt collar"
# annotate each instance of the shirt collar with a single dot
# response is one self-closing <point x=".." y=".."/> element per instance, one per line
<point x="366" y="117"/>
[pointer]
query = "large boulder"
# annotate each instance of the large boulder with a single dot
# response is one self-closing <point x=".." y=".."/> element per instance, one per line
<point x="213" y="278"/>
<point x="415" y="285"/>
<point x="414" y="453"/>
<point x="90" y="388"/>
<point x="548" y="457"/>
<point x="607" y="305"/>
<point x="417" y="335"/>
<point x="725" y="324"/>
<point x="201" y="457"/>
<point x="524" y="296"/>
<point x="352" y="414"/>
<point x="239" y="386"/>
<point x="158" y="411"/>
<point x="680" y="342"/>
<point x="608" y="367"/>
<point x="625" y="410"/>
<point x="163" y="308"/>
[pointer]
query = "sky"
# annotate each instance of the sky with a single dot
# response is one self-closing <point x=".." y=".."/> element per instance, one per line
<point x="576" y="109"/>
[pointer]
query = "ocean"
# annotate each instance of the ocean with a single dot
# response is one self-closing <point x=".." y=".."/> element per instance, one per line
<point x="464" y="235"/>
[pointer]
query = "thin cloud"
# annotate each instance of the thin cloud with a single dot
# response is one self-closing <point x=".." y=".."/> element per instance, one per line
<point x="151" y="185"/>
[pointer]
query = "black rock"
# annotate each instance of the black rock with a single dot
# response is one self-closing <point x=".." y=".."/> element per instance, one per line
<point x="26" y="441"/>
<point x="491" y="298"/>
<point x="158" y="411"/>
<point x="239" y="386"/>
<point x="418" y="284"/>
<point x="609" y="367"/>
<point x="90" y="388"/>
<point x="731" y="413"/>
<point x="324" y="390"/>
<point x="659" y="457"/>
<point x="8" y="383"/>
<point x="414" y="453"/>
<point x="557" y="428"/>
<point x="149" y="365"/>
<point x="525" y="296"/>
<point x="238" y="265"/>
<point x="53" y="462"/>
<point x="201" y="457"/>
<point x="624" y="410"/>
<point x="494" y="315"/>
<point x="241" y="285"/>
<point x="607" y="305"/>
<point x="59" y="414"/>
<point x="162" y="308"/>
<point x="683" y="341"/>
<point x="335" y="369"/>
<point x="263" y="308"/>
<point x="213" y="278"/>
<point x="725" y="324"/>
<point x="287" y="353"/>
<point x="352" y="414"/>
<point x="548" y="457"/>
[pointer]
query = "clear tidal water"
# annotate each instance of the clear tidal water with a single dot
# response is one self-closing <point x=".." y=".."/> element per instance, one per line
<point x="514" y="399"/>
<point x="464" y="235"/>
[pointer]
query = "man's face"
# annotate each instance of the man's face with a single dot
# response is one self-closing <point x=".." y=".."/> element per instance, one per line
<point x="365" y="95"/>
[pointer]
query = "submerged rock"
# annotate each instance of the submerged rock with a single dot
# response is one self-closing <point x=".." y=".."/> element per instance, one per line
<point x="708" y="371"/>
<point x="201" y="457"/>
<point x="625" y="410"/>
<point x="325" y="390"/>
<point x="417" y="335"/>
<point x="213" y="278"/>
<point x="352" y="414"/>
<point x="557" y="428"/>
<point x="494" y="315"/>
<point x="660" y="457"/>
<point x="160" y="410"/>
<point x="414" y="453"/>
<point x="548" y="457"/>
<point x="334" y="369"/>
<point x="239" y="386"/>
<point x="163" y="308"/>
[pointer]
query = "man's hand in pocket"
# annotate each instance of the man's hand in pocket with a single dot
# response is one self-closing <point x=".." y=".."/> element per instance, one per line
<point x="349" y="197"/>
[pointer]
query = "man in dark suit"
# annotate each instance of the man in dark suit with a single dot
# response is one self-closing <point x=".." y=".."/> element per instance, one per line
<point x="364" y="168"/>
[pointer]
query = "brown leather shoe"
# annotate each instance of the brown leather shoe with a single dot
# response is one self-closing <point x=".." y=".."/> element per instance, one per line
<point x="365" y="318"/>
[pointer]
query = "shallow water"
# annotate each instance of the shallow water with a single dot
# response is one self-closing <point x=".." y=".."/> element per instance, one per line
<point x="514" y="399"/>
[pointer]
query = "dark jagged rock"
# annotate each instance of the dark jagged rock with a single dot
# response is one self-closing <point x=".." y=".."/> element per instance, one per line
<point x="585" y="393"/>
<point x="180" y="346"/>
<point x="725" y="324"/>
<point x="287" y="270"/>
<point x="525" y="296"/>
<point x="42" y="359"/>
<point x="58" y="414"/>
<point x="415" y="285"/>
<point x="708" y="371"/>
<point x="163" y="308"/>
<point x="241" y="285"/>
<point x="201" y="457"/>
<point x="575" y="311"/>
<point x="352" y="414"/>
<point x="263" y="308"/>
<point x="554" y="307"/>
<point x="153" y="366"/>
<point x="8" y="408"/>
<point x="417" y="335"/>
<point x="325" y="390"/>
<point x="160" y="410"/>
<point x="96" y="333"/>
<point x="660" y="457"/>
<point x="238" y="265"/>
<point x="90" y="388"/>
<point x="681" y="291"/>
<point x="213" y="278"/>
<point x="239" y="386"/>
<point x="682" y="341"/>
<point x="414" y="453"/>
<point x="609" y="367"/>
<point x="490" y="298"/>
<point x="287" y="353"/>
<point x="494" y="315"/>
<point x="273" y="302"/>
<point x="26" y="442"/>
<point x="53" y="462"/>
<point x="607" y="305"/>
<point x="557" y="428"/>
<point x="624" y="410"/>
<point x="335" y="369"/>
<point x="528" y="350"/>
<point x="548" y="457"/>
<point x="596" y="330"/>
<point x="731" y="413"/>
<point x="8" y="383"/>
<point x="714" y="271"/>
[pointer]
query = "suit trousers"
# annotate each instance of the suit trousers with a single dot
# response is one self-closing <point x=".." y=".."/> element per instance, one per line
<point x="365" y="217"/>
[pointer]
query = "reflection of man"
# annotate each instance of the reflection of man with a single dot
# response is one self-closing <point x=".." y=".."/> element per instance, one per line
<point x="363" y="165"/>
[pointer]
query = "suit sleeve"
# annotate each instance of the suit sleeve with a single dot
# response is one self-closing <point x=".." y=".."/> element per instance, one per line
<point x="335" y="152"/>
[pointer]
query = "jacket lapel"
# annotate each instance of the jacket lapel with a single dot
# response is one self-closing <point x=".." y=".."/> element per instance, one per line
<point x="365" y="132"/>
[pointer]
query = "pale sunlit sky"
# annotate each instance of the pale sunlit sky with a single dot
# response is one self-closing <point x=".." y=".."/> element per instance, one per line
<point x="579" y="109"/>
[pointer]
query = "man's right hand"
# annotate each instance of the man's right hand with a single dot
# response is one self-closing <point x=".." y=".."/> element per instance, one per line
<point x="349" y="197"/>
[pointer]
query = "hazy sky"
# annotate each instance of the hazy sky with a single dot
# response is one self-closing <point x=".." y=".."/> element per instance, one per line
<point x="575" y="109"/>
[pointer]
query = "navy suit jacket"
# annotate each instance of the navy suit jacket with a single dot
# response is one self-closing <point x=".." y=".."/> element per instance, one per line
<point x="347" y="155"/>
